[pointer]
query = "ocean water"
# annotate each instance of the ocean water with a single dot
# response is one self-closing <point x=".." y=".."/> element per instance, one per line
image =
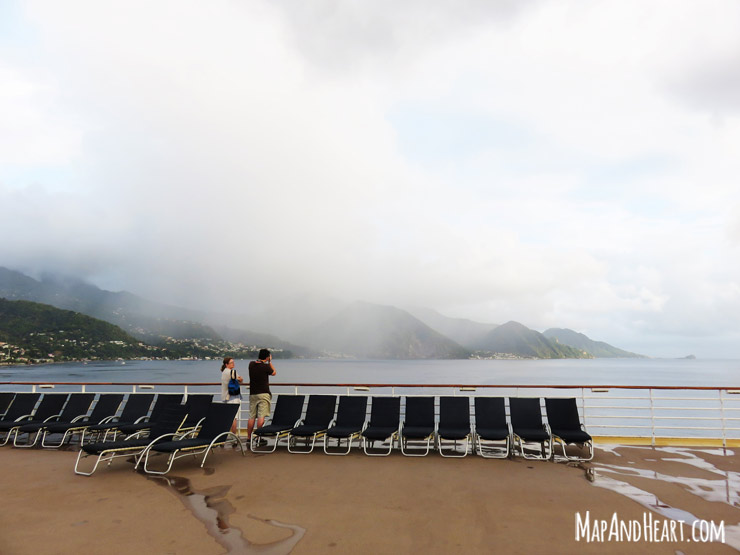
<point x="592" y="372"/>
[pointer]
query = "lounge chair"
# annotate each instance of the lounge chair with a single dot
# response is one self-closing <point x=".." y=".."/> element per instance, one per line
<point x="319" y="415"/>
<point x="104" y="410"/>
<point x="215" y="431"/>
<point x="136" y="407"/>
<point x="349" y="423"/>
<point x="288" y="409"/>
<point x="454" y="425"/>
<point x="566" y="428"/>
<point x="164" y="401"/>
<point x="198" y="406"/>
<point x="21" y="407"/>
<point x="49" y="408"/>
<point x="527" y="428"/>
<point x="5" y="399"/>
<point x="76" y="409"/>
<point x="418" y="426"/>
<point x="169" y="422"/>
<point x="491" y="428"/>
<point x="385" y="412"/>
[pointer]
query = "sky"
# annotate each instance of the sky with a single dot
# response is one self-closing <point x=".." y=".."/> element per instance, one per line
<point x="558" y="163"/>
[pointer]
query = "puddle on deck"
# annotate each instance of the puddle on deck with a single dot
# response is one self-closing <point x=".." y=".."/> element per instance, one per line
<point x="725" y="488"/>
<point x="212" y="508"/>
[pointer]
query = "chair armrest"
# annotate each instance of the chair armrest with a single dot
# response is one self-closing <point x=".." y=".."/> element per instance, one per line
<point x="24" y="417"/>
<point x="79" y="418"/>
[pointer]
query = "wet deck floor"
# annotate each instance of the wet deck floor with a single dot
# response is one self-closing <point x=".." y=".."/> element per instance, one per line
<point x="282" y="503"/>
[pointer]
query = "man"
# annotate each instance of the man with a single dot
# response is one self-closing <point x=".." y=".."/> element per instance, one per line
<point x="260" y="371"/>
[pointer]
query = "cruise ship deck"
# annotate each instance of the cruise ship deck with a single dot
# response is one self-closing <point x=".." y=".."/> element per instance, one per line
<point x="673" y="492"/>
<point x="282" y="503"/>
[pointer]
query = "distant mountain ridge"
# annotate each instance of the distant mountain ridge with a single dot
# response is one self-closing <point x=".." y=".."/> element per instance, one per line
<point x="328" y="326"/>
<point x="513" y="337"/>
<point x="374" y="331"/>
<point x="461" y="330"/>
<point x="598" y="349"/>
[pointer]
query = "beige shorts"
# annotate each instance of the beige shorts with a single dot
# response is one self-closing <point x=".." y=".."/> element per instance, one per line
<point x="259" y="405"/>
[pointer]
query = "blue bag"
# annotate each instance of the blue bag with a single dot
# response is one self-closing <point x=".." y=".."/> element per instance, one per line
<point x="234" y="387"/>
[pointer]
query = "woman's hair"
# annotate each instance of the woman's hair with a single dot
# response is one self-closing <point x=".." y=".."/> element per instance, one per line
<point x="227" y="360"/>
<point x="264" y="353"/>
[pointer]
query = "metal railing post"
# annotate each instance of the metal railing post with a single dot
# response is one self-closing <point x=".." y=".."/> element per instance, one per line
<point x="722" y="417"/>
<point x="652" y="419"/>
<point x="583" y="406"/>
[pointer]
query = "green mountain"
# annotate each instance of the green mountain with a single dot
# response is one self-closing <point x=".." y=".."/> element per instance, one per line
<point x="598" y="349"/>
<point x="373" y="331"/>
<point x="36" y="331"/>
<point x="178" y="329"/>
<point x="144" y="319"/>
<point x="516" y="339"/>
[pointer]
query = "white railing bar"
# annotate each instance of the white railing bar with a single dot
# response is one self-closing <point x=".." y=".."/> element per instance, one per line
<point x="621" y="427"/>
<point x="617" y="417"/>
<point x="688" y="408"/>
<point x="616" y="407"/>
<point x="687" y="418"/>
<point x="612" y="398"/>
<point x="685" y="428"/>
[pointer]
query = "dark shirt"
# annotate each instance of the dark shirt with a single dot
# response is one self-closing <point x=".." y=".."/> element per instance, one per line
<point x="259" y="381"/>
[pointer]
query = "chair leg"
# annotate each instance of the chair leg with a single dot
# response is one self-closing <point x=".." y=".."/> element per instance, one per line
<point x="349" y="439"/>
<point x="454" y="448"/>
<point x="545" y="449"/>
<point x="255" y="440"/>
<point x="404" y="446"/>
<point x="69" y="433"/>
<point x="77" y="464"/>
<point x="588" y="446"/>
<point x="381" y="454"/>
<point x="308" y="449"/>
<point x="31" y="439"/>
<point x="490" y="452"/>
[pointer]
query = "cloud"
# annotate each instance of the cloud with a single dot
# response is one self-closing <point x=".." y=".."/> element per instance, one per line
<point x="553" y="163"/>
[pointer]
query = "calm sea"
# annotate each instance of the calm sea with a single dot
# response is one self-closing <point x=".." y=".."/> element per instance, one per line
<point x="594" y="372"/>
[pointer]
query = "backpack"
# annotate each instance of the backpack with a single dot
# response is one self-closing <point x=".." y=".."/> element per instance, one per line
<point x="234" y="387"/>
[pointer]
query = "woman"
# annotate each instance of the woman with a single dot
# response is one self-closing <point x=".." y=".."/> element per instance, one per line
<point x="227" y="372"/>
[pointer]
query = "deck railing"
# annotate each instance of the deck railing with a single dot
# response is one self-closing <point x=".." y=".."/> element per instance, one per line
<point x="650" y="413"/>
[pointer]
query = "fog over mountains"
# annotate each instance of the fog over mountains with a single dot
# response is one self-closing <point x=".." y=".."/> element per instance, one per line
<point x="311" y="325"/>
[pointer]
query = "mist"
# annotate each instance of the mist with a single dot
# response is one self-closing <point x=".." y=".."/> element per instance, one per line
<point x="546" y="162"/>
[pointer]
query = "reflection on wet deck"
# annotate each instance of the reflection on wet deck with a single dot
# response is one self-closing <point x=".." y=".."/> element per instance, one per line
<point x="212" y="508"/>
<point x="713" y="484"/>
